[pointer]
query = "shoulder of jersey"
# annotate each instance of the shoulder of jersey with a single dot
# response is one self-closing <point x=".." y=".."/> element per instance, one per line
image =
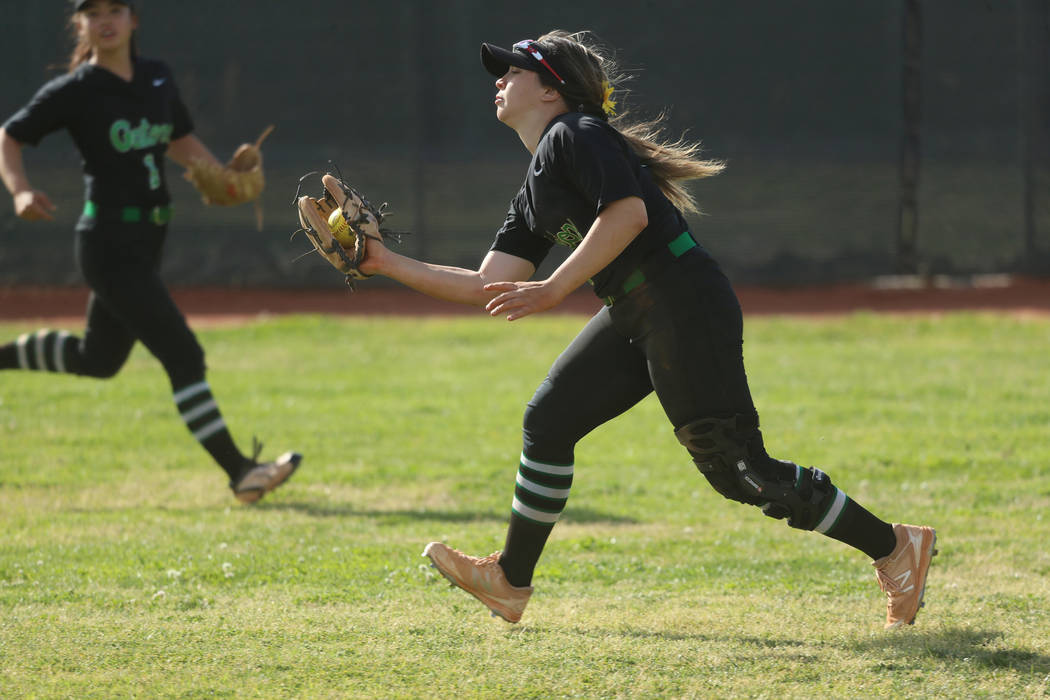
<point x="576" y="121"/>
<point x="574" y="128"/>
<point x="75" y="75"/>
<point x="154" y="68"/>
<point x="562" y="127"/>
<point x="587" y="121"/>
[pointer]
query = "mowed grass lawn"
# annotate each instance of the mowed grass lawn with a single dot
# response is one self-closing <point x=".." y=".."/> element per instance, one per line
<point x="127" y="569"/>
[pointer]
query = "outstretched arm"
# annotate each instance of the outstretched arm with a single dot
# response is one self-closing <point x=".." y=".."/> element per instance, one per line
<point x="456" y="284"/>
<point x="30" y="204"/>
<point x="188" y="149"/>
<point x="611" y="232"/>
<point x="443" y="282"/>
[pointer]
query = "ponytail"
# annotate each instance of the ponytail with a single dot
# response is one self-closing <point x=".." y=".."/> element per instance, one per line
<point x="590" y="76"/>
<point x="81" y="50"/>
<point x="671" y="162"/>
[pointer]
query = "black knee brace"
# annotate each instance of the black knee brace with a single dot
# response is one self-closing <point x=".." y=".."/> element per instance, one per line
<point x="729" y="453"/>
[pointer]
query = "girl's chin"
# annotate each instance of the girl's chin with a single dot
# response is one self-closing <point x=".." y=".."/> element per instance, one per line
<point x="111" y="43"/>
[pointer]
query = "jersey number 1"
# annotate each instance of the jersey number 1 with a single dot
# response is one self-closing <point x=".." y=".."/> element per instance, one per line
<point x="154" y="173"/>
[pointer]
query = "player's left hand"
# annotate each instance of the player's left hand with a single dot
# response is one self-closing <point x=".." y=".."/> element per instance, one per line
<point x="519" y="299"/>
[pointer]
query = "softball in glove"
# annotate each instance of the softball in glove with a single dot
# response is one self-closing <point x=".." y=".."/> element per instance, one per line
<point x="340" y="224"/>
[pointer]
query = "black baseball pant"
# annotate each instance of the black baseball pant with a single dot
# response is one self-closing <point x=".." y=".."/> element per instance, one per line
<point x="129" y="302"/>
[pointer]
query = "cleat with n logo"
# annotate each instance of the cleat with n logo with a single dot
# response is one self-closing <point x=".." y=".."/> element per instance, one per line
<point x="482" y="577"/>
<point x="902" y="573"/>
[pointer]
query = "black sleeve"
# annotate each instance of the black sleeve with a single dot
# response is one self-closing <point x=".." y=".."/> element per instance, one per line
<point x="596" y="161"/>
<point x="515" y="238"/>
<point x="48" y="111"/>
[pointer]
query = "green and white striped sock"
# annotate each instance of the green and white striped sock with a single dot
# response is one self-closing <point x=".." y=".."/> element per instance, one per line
<point x="43" y="351"/>
<point x="542" y="490"/>
<point x="200" y="413"/>
<point x="540" y="495"/>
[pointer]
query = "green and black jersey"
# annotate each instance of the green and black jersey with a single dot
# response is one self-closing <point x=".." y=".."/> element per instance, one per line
<point x="581" y="165"/>
<point x="121" y="128"/>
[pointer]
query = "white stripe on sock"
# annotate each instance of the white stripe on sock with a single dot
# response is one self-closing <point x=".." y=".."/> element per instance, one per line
<point x="23" y="356"/>
<point x="833" y="512"/>
<point x="199" y="411"/>
<point x="539" y="490"/>
<point x="533" y="514"/>
<point x="210" y="429"/>
<point x="191" y="390"/>
<point x="546" y="468"/>
<point x="41" y="356"/>
<point x="59" y="355"/>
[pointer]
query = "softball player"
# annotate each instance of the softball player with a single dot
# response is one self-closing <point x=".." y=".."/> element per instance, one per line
<point x="613" y="193"/>
<point x="124" y="115"/>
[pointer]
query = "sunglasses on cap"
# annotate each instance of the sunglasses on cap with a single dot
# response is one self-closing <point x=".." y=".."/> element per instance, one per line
<point x="530" y="47"/>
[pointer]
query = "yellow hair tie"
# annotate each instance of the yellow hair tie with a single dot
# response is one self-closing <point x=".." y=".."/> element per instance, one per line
<point x="608" y="105"/>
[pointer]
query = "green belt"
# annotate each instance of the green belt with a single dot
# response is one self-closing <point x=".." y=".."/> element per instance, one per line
<point x="676" y="248"/>
<point x="129" y="215"/>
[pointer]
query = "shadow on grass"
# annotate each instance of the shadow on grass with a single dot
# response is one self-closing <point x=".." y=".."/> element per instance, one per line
<point x="629" y="632"/>
<point x="980" y="647"/>
<point x="349" y="510"/>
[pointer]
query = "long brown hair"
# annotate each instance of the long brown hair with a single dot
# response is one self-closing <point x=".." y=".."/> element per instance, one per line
<point x="82" y="47"/>
<point x="588" y="72"/>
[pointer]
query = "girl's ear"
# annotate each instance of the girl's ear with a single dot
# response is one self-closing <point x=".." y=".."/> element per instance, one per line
<point x="550" y="94"/>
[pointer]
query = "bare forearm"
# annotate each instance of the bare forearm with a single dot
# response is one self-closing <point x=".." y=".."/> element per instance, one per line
<point x="439" y="281"/>
<point x="12" y="170"/>
<point x="456" y="284"/>
<point x="617" y="225"/>
<point x="611" y="232"/>
<point x="188" y="149"/>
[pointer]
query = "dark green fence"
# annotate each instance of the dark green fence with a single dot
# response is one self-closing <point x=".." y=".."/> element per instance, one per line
<point x="805" y="99"/>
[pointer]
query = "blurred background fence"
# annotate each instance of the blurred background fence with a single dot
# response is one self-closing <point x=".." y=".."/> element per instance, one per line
<point x="863" y="138"/>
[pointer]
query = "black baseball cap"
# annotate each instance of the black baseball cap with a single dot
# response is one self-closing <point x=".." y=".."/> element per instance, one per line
<point x="78" y="5"/>
<point x="527" y="54"/>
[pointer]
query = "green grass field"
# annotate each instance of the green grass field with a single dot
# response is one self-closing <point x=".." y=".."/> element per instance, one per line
<point x="127" y="569"/>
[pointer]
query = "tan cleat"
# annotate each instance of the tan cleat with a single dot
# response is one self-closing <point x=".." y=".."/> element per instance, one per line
<point x="902" y="573"/>
<point x="263" y="478"/>
<point x="483" y="578"/>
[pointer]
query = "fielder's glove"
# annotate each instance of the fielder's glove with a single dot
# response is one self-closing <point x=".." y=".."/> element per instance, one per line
<point x="340" y="224"/>
<point x="239" y="181"/>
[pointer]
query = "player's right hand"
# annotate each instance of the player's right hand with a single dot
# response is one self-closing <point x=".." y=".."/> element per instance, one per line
<point x="33" y="205"/>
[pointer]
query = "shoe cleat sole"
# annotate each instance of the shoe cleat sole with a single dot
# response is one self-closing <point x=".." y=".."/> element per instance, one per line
<point x="922" y="594"/>
<point x="250" y="496"/>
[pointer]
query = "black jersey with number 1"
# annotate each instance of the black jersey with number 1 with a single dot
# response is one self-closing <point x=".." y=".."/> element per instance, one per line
<point x="121" y="128"/>
<point x="581" y="165"/>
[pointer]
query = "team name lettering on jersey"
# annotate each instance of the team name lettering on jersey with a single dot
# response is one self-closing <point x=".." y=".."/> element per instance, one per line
<point x="568" y="235"/>
<point x="124" y="137"/>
